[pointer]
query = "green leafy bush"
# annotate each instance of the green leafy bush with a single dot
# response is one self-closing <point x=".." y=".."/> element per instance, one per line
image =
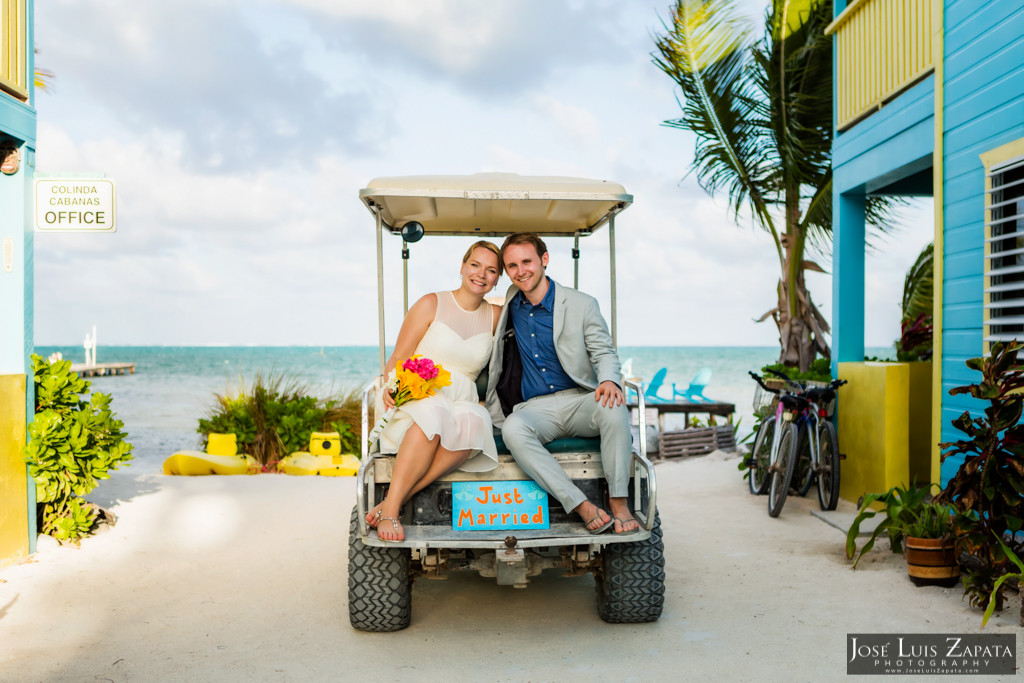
<point x="820" y="371"/>
<point x="73" y="443"/>
<point x="988" y="489"/>
<point x="274" y="415"/>
<point x="1017" y="576"/>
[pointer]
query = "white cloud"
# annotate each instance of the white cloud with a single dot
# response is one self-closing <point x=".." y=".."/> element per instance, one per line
<point x="239" y="134"/>
<point x="575" y="122"/>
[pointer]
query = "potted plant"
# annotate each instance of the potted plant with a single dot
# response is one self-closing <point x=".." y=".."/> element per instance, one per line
<point x="916" y="524"/>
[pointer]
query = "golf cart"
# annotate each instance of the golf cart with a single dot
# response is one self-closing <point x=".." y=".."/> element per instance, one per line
<point x="628" y="567"/>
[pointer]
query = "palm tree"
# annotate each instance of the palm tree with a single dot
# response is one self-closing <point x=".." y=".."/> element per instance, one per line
<point x="762" y="113"/>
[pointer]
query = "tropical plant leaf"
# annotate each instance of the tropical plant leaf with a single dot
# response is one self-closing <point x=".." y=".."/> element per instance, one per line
<point x="918" y="288"/>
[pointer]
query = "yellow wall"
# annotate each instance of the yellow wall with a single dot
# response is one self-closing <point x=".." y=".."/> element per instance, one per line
<point x="13" y="477"/>
<point x="920" y="415"/>
<point x="884" y="426"/>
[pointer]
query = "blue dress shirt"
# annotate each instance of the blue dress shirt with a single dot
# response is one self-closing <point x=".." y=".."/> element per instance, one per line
<point x="534" y="325"/>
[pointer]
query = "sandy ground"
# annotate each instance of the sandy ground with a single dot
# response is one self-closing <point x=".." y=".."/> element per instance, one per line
<point x="244" y="578"/>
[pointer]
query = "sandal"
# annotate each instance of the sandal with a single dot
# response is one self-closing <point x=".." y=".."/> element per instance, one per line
<point x="375" y="519"/>
<point x="623" y="521"/>
<point x="601" y="529"/>
<point x="395" y="525"/>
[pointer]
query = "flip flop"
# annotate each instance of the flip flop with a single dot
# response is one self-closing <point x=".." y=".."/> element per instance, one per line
<point x="623" y="521"/>
<point x="601" y="529"/>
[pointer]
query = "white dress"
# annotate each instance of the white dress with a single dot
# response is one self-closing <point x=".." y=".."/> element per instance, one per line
<point x="459" y="341"/>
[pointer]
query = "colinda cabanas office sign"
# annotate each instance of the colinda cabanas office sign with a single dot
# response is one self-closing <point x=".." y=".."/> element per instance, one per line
<point x="75" y="205"/>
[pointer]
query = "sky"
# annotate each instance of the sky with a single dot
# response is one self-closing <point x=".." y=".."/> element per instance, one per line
<point x="239" y="133"/>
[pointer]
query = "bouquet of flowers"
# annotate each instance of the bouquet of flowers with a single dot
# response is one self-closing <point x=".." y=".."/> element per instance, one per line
<point x="417" y="377"/>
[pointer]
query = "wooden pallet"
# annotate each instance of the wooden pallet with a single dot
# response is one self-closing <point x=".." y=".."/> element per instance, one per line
<point x="697" y="441"/>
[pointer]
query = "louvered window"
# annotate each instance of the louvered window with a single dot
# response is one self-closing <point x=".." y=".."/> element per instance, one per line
<point x="1004" y="253"/>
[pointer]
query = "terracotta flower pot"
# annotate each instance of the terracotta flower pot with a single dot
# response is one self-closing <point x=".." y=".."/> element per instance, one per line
<point x="931" y="560"/>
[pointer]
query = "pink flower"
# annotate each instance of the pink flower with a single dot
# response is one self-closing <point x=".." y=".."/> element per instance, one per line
<point x="424" y="367"/>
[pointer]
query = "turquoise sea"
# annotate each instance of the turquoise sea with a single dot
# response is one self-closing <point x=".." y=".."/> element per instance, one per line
<point x="173" y="386"/>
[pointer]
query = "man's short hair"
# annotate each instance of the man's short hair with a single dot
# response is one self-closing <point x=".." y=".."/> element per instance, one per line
<point x="523" y="238"/>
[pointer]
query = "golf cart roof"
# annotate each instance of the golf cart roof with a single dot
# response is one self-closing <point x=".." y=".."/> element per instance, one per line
<point x="495" y="204"/>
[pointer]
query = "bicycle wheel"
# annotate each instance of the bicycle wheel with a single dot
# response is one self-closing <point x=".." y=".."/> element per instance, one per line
<point x="828" y="465"/>
<point x="782" y="469"/>
<point x="760" y="456"/>
<point x="803" y="475"/>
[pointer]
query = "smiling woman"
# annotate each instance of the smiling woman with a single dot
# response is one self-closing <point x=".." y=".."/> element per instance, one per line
<point x="450" y="429"/>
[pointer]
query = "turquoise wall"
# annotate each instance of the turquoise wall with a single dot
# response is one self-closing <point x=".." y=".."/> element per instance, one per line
<point x="983" y="108"/>
<point x="891" y="145"/>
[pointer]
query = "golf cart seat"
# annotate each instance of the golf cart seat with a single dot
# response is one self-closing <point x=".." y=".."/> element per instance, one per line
<point x="568" y="445"/>
<point x="572" y="444"/>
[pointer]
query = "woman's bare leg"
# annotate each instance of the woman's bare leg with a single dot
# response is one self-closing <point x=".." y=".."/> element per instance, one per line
<point x="420" y="461"/>
<point x="415" y="454"/>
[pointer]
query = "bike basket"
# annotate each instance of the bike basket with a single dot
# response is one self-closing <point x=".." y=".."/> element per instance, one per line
<point x="764" y="402"/>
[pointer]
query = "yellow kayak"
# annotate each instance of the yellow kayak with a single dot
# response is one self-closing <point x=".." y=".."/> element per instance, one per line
<point x="192" y="463"/>
<point x="302" y="463"/>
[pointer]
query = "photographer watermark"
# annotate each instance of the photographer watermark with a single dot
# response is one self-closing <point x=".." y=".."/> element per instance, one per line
<point x="933" y="654"/>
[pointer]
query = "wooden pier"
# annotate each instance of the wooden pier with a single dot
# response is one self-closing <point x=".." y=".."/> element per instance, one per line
<point x="103" y="369"/>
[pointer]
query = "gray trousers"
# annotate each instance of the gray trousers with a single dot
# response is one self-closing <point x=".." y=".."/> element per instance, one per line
<point x="572" y="412"/>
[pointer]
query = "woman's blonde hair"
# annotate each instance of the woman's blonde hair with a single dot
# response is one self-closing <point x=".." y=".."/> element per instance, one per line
<point x="489" y="246"/>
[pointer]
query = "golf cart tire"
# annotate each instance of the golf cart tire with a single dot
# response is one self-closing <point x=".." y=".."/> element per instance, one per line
<point x="379" y="584"/>
<point x="631" y="580"/>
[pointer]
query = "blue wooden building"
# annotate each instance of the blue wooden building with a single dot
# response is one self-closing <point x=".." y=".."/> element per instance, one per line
<point x="17" y="160"/>
<point x="929" y="101"/>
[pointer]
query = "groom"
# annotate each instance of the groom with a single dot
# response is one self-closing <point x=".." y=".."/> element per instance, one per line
<point x="558" y="377"/>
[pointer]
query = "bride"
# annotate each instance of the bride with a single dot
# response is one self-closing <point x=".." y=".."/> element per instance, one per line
<point x="435" y="435"/>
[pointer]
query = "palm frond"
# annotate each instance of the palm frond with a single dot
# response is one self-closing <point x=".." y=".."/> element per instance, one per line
<point x="817" y="216"/>
<point x="918" y="287"/>
<point x="706" y="52"/>
<point x="795" y="67"/>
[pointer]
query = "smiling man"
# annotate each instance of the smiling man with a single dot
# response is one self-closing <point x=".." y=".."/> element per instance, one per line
<point x="558" y="377"/>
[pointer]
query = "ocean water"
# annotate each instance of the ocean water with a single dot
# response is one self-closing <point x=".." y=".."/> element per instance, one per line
<point x="173" y="387"/>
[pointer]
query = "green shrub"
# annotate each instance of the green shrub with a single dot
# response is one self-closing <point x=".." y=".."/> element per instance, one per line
<point x="274" y="415"/>
<point x="73" y="443"/>
<point x="820" y="371"/>
<point x="988" y="488"/>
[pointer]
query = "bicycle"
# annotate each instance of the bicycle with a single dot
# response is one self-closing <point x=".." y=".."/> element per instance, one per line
<point x="775" y="449"/>
<point x="817" y="441"/>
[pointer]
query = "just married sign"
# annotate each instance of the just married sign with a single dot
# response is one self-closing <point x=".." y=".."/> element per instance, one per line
<point x="483" y="505"/>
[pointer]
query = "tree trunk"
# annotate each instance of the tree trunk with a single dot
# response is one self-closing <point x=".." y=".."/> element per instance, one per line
<point x="801" y="325"/>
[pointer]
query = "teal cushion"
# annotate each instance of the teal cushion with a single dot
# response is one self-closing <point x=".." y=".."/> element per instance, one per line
<point x="572" y="444"/>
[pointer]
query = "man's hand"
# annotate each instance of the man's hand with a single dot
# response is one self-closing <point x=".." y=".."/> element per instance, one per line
<point x="609" y="394"/>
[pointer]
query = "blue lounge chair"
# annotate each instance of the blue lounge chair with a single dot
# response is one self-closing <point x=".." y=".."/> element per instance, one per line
<point x="695" y="392"/>
<point x="651" y="392"/>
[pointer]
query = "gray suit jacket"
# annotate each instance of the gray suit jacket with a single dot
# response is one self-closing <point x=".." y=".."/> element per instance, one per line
<point x="582" y="342"/>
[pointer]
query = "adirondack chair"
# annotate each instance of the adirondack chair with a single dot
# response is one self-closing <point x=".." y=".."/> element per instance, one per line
<point x="695" y="392"/>
<point x="651" y="392"/>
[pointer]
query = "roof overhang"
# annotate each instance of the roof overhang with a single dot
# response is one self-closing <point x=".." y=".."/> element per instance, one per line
<point x="495" y="204"/>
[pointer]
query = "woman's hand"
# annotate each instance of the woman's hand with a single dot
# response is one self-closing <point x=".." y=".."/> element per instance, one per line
<point x="388" y="399"/>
